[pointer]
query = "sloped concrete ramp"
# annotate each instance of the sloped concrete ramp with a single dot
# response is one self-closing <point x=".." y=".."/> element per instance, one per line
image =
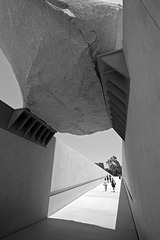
<point x="69" y="230"/>
<point x="96" y="207"/>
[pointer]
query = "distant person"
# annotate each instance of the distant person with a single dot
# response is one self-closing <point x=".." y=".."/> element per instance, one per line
<point x="105" y="184"/>
<point x="119" y="176"/>
<point x="113" y="184"/>
<point x="107" y="179"/>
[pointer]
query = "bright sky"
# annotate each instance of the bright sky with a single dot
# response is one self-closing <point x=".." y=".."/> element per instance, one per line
<point x="97" y="147"/>
<point x="9" y="89"/>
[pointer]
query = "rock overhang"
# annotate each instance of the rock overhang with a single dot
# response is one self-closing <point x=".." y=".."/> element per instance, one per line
<point x="53" y="55"/>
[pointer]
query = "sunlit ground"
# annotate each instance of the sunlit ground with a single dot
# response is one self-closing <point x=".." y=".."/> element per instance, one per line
<point x="95" y="207"/>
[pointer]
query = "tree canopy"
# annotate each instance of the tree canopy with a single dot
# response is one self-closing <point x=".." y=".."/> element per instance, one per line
<point x="113" y="166"/>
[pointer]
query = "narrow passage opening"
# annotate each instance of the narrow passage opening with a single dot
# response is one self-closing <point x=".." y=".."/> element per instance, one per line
<point x="97" y="206"/>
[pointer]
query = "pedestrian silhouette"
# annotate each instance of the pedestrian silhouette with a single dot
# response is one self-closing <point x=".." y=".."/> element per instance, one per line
<point x="110" y="178"/>
<point x="107" y="179"/>
<point x="105" y="184"/>
<point x="113" y="184"/>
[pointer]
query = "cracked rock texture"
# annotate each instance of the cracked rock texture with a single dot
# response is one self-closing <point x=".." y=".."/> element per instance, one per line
<point x="52" y="47"/>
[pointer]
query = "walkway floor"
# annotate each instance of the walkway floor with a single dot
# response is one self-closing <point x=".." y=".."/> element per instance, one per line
<point x="95" y="207"/>
<point x="57" y="229"/>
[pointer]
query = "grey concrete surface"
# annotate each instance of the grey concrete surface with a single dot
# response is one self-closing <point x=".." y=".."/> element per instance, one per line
<point x="141" y="151"/>
<point x="55" y="229"/>
<point x="153" y="10"/>
<point x="58" y="201"/>
<point x="96" y="207"/>
<point x="124" y="215"/>
<point x="71" y="168"/>
<point x="25" y="176"/>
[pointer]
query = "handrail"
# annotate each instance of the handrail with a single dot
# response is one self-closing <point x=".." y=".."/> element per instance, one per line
<point x="72" y="187"/>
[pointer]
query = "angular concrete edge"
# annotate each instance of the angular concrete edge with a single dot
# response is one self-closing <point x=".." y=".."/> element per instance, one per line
<point x="69" y="230"/>
<point x="124" y="217"/>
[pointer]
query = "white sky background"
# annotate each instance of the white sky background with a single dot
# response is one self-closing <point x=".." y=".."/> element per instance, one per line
<point x="9" y="89"/>
<point x="97" y="147"/>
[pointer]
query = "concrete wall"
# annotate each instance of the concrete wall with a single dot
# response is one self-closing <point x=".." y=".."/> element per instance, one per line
<point x="25" y="177"/>
<point x="70" y="170"/>
<point x="141" y="150"/>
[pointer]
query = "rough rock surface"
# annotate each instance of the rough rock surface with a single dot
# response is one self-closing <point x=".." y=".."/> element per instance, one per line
<point x="52" y="47"/>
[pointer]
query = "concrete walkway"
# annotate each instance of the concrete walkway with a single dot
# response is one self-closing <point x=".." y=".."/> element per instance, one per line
<point x="96" y="207"/>
<point x="56" y="229"/>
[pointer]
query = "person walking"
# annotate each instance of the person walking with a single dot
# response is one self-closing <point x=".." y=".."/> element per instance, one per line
<point x="107" y="179"/>
<point x="113" y="184"/>
<point x="105" y="184"/>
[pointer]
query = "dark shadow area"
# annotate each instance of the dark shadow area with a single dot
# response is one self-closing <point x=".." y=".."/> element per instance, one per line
<point x="68" y="230"/>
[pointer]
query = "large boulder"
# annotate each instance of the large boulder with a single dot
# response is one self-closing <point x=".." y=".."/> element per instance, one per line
<point x="52" y="48"/>
<point x="99" y="21"/>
